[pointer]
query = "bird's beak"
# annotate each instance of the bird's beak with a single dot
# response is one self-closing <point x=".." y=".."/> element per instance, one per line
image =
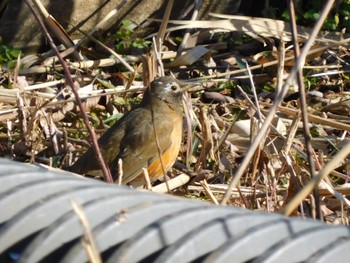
<point x="188" y="85"/>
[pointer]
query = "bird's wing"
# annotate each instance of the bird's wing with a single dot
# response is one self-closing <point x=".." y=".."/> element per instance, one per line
<point x="109" y="145"/>
<point x="139" y="148"/>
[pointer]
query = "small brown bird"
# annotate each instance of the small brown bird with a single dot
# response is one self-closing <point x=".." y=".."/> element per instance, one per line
<point x="132" y="139"/>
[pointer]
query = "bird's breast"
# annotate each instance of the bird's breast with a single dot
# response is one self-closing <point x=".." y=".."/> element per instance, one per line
<point x="170" y="154"/>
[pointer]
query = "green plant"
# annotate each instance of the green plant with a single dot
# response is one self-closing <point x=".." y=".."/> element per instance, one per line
<point x="308" y="12"/>
<point x="8" y="54"/>
<point x="125" y="39"/>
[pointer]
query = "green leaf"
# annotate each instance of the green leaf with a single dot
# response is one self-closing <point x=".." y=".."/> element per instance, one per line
<point x="8" y="53"/>
<point x="12" y="64"/>
<point x="286" y="15"/>
<point x="113" y="118"/>
<point x="106" y="84"/>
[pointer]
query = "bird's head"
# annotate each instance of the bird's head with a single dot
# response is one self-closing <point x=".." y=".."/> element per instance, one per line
<point x="166" y="89"/>
<point x="167" y="85"/>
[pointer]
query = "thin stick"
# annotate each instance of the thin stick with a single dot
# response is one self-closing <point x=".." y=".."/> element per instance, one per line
<point x="254" y="92"/>
<point x="171" y="184"/>
<point x="206" y="188"/>
<point x="159" y="59"/>
<point x="147" y="179"/>
<point x="157" y="49"/>
<point x="163" y="25"/>
<point x="88" y="241"/>
<point x="303" y="107"/>
<point x="280" y="66"/>
<point x="186" y="103"/>
<point x="120" y="171"/>
<point x="156" y="138"/>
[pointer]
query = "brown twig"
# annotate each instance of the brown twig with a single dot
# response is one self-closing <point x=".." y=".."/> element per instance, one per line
<point x="163" y="26"/>
<point x="156" y="138"/>
<point x="186" y="103"/>
<point x="207" y="142"/>
<point x="303" y="108"/>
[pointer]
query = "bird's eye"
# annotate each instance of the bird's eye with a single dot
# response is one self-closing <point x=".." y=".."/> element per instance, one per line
<point x="173" y="88"/>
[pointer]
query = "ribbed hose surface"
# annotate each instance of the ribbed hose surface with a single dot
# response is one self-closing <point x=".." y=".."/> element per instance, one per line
<point x="38" y="224"/>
